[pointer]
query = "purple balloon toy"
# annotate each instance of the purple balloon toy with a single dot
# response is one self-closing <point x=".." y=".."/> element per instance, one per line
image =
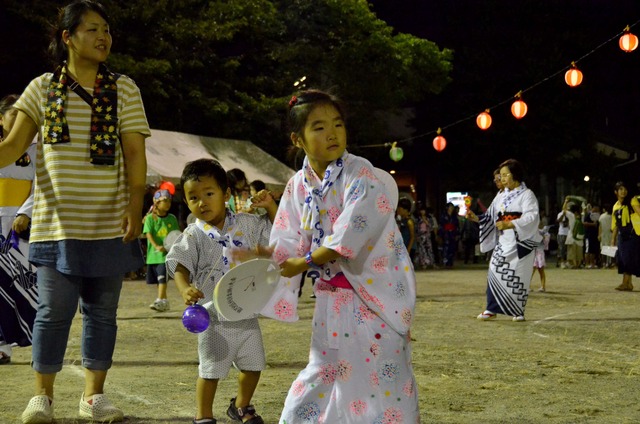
<point x="195" y="318"/>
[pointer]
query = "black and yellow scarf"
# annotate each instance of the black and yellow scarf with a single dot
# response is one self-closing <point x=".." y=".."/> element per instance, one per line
<point x="104" y="116"/>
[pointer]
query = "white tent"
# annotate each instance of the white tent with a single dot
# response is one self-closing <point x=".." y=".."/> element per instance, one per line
<point x="168" y="152"/>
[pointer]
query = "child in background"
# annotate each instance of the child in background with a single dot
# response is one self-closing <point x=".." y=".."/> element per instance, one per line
<point x="604" y="233"/>
<point x="200" y="256"/>
<point x="335" y="216"/>
<point x="539" y="260"/>
<point x="255" y="187"/>
<point x="406" y="224"/>
<point x="424" y="250"/>
<point x="157" y="225"/>
<point x="237" y="184"/>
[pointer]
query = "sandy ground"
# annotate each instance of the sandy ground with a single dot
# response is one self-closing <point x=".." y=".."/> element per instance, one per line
<point x="575" y="359"/>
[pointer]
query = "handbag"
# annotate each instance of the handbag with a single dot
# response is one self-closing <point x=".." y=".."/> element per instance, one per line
<point x="18" y="291"/>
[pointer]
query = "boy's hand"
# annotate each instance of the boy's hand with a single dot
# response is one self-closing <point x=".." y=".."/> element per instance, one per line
<point x="191" y="295"/>
<point x="262" y="199"/>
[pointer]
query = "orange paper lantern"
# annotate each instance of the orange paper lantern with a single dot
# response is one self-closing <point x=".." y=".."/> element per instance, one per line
<point x="628" y="41"/>
<point x="484" y="120"/>
<point x="573" y="77"/>
<point x="439" y="143"/>
<point x="519" y="109"/>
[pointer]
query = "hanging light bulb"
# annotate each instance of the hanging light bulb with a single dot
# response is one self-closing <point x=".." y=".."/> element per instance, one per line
<point x="573" y="77"/>
<point x="439" y="143"/>
<point x="484" y="120"/>
<point x="628" y="41"/>
<point x="396" y="153"/>
<point x="519" y="108"/>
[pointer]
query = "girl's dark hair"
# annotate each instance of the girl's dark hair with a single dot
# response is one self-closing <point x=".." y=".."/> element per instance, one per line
<point x="627" y="199"/>
<point x="69" y="17"/>
<point x="233" y="176"/>
<point x="258" y="185"/>
<point x="7" y="102"/>
<point x="193" y="171"/>
<point x="516" y="169"/>
<point x="405" y="203"/>
<point x="301" y="105"/>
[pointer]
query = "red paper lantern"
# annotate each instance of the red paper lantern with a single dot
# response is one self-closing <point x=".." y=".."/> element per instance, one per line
<point x="628" y="41"/>
<point x="573" y="77"/>
<point x="484" y="120"/>
<point x="439" y="143"/>
<point x="519" y="109"/>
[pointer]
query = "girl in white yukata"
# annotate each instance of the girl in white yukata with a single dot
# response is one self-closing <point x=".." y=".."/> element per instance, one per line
<point x="510" y="228"/>
<point x="335" y="216"/>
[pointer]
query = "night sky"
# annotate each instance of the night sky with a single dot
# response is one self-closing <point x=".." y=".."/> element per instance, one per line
<point x="502" y="47"/>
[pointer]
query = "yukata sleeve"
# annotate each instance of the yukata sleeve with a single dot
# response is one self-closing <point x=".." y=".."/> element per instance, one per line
<point x="264" y="229"/>
<point x="374" y="258"/>
<point x="287" y="236"/>
<point x="527" y="224"/>
<point x="488" y="230"/>
<point x="185" y="252"/>
<point x="27" y="206"/>
<point x="363" y="218"/>
<point x="288" y="241"/>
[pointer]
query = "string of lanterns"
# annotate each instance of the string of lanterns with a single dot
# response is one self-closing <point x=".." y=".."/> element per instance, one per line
<point x="628" y="42"/>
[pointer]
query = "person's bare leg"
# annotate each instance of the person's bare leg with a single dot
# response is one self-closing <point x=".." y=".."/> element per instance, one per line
<point x="44" y="384"/>
<point x="94" y="382"/>
<point x="162" y="291"/>
<point x="205" y="394"/>
<point x="247" y="383"/>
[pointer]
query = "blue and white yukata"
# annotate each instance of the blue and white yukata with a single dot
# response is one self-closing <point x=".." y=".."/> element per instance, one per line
<point x="359" y="367"/>
<point x="206" y="252"/>
<point x="18" y="286"/>
<point x="511" y="263"/>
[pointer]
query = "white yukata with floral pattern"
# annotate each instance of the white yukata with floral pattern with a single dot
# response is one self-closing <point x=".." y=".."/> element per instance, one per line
<point x="359" y="367"/>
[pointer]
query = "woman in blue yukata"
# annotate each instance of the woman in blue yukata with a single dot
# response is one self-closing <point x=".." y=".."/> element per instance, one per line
<point x="510" y="228"/>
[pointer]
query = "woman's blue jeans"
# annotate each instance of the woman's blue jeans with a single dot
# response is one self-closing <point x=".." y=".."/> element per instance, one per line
<point x="58" y="302"/>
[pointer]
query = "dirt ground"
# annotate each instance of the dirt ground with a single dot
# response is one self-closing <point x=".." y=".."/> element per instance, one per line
<point x="575" y="359"/>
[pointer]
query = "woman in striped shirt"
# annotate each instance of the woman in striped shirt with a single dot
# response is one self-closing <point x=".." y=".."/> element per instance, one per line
<point x="88" y="196"/>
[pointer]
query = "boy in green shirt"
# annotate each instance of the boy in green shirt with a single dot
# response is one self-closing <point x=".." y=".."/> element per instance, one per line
<point x="157" y="225"/>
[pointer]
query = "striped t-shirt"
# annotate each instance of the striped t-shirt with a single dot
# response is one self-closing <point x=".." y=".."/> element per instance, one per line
<point x="74" y="199"/>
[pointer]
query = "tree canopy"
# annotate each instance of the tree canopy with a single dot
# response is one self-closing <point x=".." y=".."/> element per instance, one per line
<point x="227" y="68"/>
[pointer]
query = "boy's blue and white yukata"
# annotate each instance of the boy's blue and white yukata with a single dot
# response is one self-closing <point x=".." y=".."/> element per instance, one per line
<point x="359" y="367"/>
<point x="205" y="251"/>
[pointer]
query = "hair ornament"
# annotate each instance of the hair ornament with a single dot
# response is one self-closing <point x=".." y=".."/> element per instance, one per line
<point x="293" y="101"/>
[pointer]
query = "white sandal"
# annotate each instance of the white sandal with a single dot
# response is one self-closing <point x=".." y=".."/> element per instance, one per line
<point x="100" y="409"/>
<point x="38" y="411"/>
<point x="486" y="316"/>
